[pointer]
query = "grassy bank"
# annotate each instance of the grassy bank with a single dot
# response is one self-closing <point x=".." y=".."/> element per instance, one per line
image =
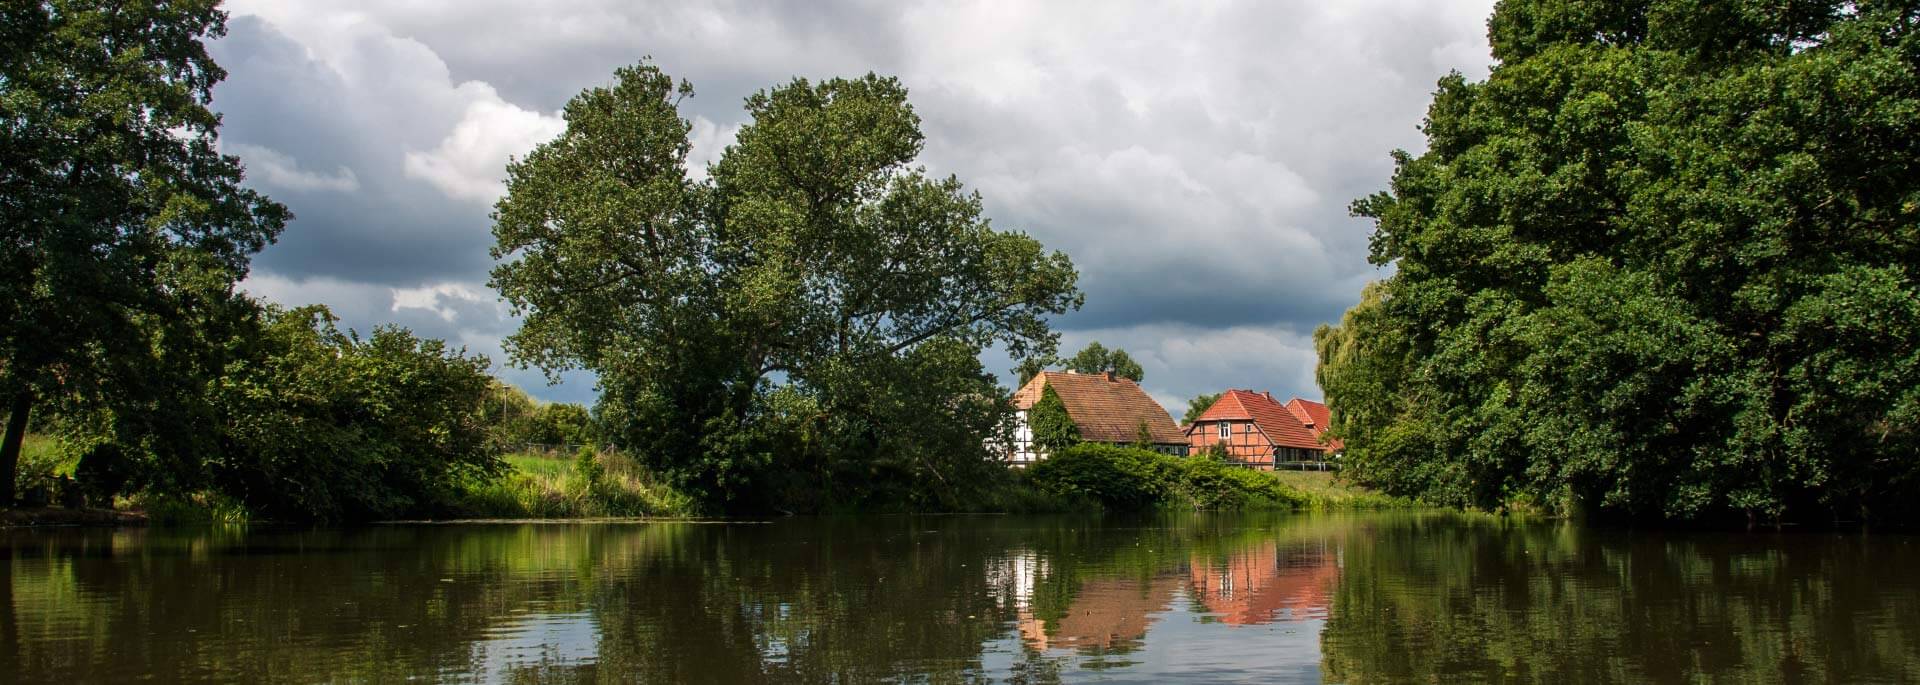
<point x="586" y="484"/>
<point x="1327" y="490"/>
<point x="591" y="484"/>
<point x="1128" y="479"/>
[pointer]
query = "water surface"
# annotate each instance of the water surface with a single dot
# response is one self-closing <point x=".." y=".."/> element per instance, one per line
<point x="1352" y="598"/>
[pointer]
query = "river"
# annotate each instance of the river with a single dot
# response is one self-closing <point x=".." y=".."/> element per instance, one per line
<point x="1343" y="598"/>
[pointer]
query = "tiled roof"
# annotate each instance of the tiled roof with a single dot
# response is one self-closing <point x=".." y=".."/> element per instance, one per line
<point x="1280" y="425"/>
<point x="1315" y="415"/>
<point x="1105" y="410"/>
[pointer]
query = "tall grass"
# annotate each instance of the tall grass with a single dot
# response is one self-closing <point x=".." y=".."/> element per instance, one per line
<point x="589" y="484"/>
<point x="1128" y="479"/>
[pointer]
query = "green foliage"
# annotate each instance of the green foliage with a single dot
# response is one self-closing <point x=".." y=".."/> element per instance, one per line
<point x="297" y="421"/>
<point x="1053" y="429"/>
<point x="1096" y="358"/>
<point x="119" y="206"/>
<point x="1199" y="405"/>
<point x="1119" y="478"/>
<point x="1130" y="479"/>
<point x="517" y="421"/>
<point x="592" y="484"/>
<point x="43" y="460"/>
<point x="804" y="323"/>
<point x="1658" y="265"/>
<point x="324" y="424"/>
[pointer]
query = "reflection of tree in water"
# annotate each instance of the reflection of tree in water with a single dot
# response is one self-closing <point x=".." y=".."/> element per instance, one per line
<point x="1412" y="598"/>
<point x="376" y="604"/>
<point x="1475" y="600"/>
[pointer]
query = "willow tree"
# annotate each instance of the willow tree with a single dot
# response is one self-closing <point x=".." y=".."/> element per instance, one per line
<point x="117" y="211"/>
<point x="1660" y="263"/>
<point x="803" y="324"/>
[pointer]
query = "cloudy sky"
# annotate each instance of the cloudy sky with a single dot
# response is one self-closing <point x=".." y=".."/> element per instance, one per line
<point x="1195" y="159"/>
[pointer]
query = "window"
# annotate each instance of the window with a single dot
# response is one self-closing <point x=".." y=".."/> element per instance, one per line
<point x="1226" y="430"/>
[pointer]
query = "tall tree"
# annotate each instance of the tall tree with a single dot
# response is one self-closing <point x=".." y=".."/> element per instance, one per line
<point x="113" y="196"/>
<point x="1659" y="264"/>
<point x="1096" y="358"/>
<point x="775" y="313"/>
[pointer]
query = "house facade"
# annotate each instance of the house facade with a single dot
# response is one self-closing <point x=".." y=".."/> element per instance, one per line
<point x="1258" y="431"/>
<point x="1106" y="408"/>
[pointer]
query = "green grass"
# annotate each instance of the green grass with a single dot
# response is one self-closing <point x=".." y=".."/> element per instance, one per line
<point x="544" y="486"/>
<point x="1327" y="490"/>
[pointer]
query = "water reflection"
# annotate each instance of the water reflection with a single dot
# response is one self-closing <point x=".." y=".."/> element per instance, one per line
<point x="1350" y="598"/>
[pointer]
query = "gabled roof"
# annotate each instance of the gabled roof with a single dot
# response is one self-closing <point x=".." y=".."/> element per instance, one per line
<point x="1106" y="409"/>
<point x="1281" y="426"/>
<point x="1316" y="416"/>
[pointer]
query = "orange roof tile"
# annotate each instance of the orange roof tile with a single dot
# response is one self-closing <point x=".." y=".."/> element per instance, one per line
<point x="1316" y="416"/>
<point x="1105" y="410"/>
<point x="1280" y="425"/>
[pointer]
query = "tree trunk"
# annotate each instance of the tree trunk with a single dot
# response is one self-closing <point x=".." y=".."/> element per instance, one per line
<point x="10" y="447"/>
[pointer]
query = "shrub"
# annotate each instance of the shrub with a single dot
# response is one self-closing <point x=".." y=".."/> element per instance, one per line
<point x="1119" y="478"/>
<point x="1131" y="479"/>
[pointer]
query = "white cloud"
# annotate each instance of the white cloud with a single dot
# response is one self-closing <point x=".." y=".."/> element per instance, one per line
<point x="279" y="170"/>
<point x="450" y="300"/>
<point x="708" y="140"/>
<point x="470" y="162"/>
<point x="1195" y="159"/>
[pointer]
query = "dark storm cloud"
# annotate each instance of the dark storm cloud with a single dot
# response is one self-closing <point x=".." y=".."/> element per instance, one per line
<point x="1196" y="160"/>
<point x="391" y="229"/>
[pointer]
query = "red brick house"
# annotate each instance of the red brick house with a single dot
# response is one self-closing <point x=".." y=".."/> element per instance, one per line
<point x="1106" y="408"/>
<point x="1258" y="431"/>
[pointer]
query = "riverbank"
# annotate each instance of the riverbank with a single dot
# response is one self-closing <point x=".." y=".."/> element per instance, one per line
<point x="62" y="516"/>
<point x="605" y="485"/>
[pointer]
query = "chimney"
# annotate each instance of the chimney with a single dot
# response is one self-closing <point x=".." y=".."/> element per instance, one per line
<point x="1269" y="396"/>
<point x="1109" y="376"/>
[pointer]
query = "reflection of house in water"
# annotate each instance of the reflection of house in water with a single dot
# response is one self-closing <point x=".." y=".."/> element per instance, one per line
<point x="1265" y="584"/>
<point x="1104" y="614"/>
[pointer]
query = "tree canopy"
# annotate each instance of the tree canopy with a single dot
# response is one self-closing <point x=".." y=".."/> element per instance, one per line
<point x="1659" y="264"/>
<point x="810" y="312"/>
<point x="1096" y="358"/>
<point x="118" y="213"/>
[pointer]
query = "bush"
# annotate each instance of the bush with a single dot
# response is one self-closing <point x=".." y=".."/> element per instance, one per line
<point x="1119" y="478"/>
<point x="1131" y="479"/>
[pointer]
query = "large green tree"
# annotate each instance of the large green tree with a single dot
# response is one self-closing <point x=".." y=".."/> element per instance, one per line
<point x="113" y="196"/>
<point x="1659" y="264"/>
<point x="755" y="332"/>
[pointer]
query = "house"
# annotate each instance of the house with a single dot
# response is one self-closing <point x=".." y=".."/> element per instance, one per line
<point x="1316" y="416"/>
<point x="1106" y="408"/>
<point x="1257" y="430"/>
